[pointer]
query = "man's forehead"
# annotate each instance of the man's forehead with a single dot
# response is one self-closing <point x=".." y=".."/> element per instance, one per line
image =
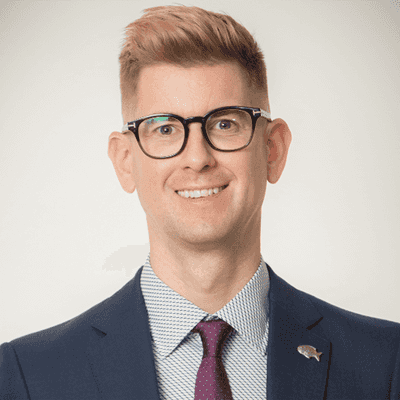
<point x="190" y="91"/>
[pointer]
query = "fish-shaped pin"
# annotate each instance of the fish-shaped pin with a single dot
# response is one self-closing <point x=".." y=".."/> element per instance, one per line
<point x="309" y="351"/>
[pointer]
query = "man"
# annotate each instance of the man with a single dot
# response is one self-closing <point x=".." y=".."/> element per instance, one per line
<point x="205" y="317"/>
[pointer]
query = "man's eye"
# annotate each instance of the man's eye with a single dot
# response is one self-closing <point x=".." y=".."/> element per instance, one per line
<point x="165" y="129"/>
<point x="225" y="124"/>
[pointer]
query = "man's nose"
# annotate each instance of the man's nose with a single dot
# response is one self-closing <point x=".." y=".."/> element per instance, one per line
<point x="197" y="152"/>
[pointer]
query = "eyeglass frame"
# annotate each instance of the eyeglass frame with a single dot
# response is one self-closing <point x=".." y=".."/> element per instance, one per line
<point x="255" y="113"/>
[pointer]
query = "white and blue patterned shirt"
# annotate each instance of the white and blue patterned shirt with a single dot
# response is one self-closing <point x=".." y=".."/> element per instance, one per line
<point x="178" y="352"/>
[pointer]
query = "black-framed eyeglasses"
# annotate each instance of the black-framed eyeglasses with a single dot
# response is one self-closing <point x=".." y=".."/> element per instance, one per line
<point x="225" y="129"/>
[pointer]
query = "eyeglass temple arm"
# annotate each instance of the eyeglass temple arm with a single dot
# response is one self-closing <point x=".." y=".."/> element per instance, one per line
<point x="125" y="127"/>
<point x="263" y="114"/>
<point x="266" y="114"/>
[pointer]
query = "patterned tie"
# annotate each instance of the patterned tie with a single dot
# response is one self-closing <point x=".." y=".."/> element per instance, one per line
<point x="212" y="382"/>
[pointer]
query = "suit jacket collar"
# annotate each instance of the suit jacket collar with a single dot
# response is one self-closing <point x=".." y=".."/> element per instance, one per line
<point x="294" y="321"/>
<point x="121" y="354"/>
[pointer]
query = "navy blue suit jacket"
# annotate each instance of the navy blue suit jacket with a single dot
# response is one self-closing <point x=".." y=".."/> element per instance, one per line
<point x="106" y="353"/>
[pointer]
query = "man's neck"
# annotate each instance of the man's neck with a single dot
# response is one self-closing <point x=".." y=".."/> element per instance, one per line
<point x="207" y="279"/>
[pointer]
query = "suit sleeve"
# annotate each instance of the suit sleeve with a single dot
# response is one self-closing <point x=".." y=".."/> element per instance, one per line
<point x="12" y="382"/>
<point x="395" y="389"/>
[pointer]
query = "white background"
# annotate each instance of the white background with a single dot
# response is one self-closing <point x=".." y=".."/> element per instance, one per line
<point x="70" y="236"/>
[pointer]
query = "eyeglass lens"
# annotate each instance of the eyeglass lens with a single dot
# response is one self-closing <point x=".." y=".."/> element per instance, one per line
<point x="163" y="136"/>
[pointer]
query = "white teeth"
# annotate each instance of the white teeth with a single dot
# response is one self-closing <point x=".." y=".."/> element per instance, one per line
<point x="194" y="194"/>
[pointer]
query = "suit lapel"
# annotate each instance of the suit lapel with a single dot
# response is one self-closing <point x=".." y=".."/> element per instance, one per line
<point x="122" y="361"/>
<point x="120" y="353"/>
<point x="293" y="321"/>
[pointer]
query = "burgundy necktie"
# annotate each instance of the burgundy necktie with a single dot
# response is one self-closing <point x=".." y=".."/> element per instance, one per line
<point x="212" y="382"/>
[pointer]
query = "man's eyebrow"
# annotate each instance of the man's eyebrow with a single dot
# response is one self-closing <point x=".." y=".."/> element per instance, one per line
<point x="174" y="113"/>
<point x="159" y="113"/>
<point x="157" y="119"/>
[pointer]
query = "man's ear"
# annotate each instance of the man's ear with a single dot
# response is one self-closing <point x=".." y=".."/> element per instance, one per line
<point x="278" y="138"/>
<point x="120" y="151"/>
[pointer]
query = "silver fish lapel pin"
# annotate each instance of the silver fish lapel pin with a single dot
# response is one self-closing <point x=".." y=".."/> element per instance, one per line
<point x="309" y="351"/>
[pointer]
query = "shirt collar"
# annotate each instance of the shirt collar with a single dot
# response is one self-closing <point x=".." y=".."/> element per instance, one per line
<point x="172" y="317"/>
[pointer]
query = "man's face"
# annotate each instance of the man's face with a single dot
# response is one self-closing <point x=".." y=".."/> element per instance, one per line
<point x="216" y="219"/>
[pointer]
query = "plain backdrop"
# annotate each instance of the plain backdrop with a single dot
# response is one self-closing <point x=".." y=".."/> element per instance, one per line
<point x="70" y="236"/>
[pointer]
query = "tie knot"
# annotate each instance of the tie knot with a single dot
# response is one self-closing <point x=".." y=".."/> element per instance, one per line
<point x="213" y="335"/>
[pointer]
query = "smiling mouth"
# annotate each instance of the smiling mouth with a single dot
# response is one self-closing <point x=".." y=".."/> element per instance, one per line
<point x="196" y="194"/>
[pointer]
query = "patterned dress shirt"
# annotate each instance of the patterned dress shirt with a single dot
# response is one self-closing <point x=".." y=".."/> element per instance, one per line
<point x="178" y="352"/>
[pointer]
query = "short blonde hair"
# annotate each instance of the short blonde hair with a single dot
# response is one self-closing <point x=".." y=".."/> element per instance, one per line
<point x="188" y="37"/>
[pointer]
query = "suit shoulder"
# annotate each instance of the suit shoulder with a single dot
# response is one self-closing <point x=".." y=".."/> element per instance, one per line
<point x="80" y="327"/>
<point x="66" y="330"/>
<point x="304" y="304"/>
<point x="356" y="321"/>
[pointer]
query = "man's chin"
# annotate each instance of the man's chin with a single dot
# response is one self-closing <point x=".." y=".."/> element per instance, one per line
<point x="203" y="237"/>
